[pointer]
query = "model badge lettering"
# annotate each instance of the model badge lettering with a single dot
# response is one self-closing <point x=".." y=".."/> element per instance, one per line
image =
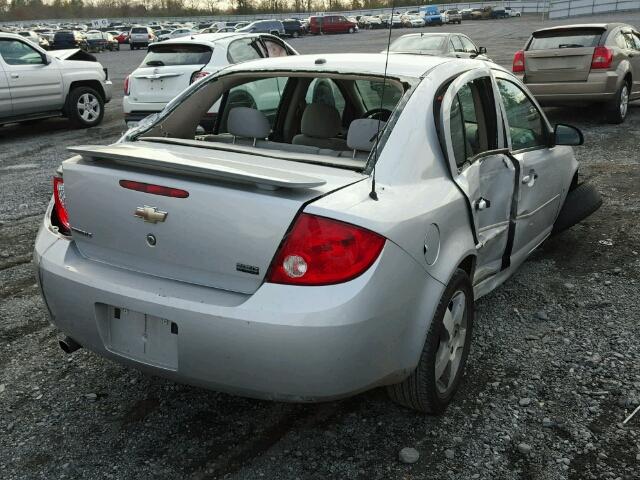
<point x="150" y="214"/>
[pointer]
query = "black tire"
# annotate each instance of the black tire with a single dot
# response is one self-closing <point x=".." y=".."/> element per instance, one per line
<point x="420" y="391"/>
<point x="295" y="34"/>
<point x="581" y="202"/>
<point x="75" y="112"/>
<point x="615" y="113"/>
<point x="132" y="46"/>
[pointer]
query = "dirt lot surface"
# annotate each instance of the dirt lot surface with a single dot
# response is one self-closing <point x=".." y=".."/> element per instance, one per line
<point x="554" y="367"/>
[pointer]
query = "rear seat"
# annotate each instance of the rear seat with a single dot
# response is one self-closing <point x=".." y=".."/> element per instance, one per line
<point x="249" y="127"/>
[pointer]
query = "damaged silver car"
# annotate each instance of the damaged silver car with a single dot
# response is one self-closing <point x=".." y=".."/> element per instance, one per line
<point x="330" y="236"/>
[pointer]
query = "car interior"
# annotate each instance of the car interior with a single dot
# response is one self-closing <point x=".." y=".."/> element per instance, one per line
<point x="332" y="116"/>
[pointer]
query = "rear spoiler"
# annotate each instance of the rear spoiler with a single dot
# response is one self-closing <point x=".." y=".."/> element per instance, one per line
<point x="201" y="166"/>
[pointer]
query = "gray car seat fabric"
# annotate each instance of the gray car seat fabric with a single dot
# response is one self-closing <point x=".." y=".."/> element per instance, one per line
<point x="362" y="134"/>
<point x="248" y="123"/>
<point x="319" y="126"/>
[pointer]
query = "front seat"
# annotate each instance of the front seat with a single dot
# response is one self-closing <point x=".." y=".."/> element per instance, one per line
<point x="319" y="126"/>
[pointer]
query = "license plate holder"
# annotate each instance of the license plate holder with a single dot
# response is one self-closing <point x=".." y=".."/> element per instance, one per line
<point x="142" y="337"/>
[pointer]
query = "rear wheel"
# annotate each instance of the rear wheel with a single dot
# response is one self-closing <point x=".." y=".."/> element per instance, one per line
<point x="295" y="34"/>
<point x="619" y="106"/>
<point x="132" y="46"/>
<point x="351" y="30"/>
<point x="85" y="107"/>
<point x="435" y="380"/>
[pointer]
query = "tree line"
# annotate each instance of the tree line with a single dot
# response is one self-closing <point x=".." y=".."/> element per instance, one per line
<point x="21" y="10"/>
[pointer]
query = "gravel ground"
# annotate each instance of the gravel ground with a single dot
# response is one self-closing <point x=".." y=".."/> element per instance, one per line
<point x="554" y="368"/>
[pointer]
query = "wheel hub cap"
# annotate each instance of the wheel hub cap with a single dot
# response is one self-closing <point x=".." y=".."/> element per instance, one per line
<point x="88" y="107"/>
<point x="624" y="101"/>
<point x="452" y="343"/>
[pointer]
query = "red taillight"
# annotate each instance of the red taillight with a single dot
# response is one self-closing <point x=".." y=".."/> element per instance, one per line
<point x="321" y="251"/>
<point x="198" y="75"/>
<point x="154" y="189"/>
<point x="60" y="217"/>
<point x="518" y="62"/>
<point x="126" y="85"/>
<point x="602" y="58"/>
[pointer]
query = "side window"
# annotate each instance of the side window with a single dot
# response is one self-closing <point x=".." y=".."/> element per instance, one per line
<point x="472" y="120"/>
<point x="457" y="44"/>
<point x="629" y="39"/>
<point x="274" y="49"/>
<point x="242" y="51"/>
<point x="468" y="45"/>
<point x="14" y="52"/>
<point x="526" y="125"/>
<point x="636" y="40"/>
<point x="621" y="42"/>
<point x="324" y="90"/>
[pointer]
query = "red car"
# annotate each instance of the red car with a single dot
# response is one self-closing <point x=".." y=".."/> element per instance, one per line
<point x="123" y="37"/>
<point x="331" y="24"/>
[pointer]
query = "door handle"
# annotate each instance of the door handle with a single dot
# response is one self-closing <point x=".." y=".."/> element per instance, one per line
<point x="482" y="204"/>
<point x="530" y="179"/>
<point x="15" y="75"/>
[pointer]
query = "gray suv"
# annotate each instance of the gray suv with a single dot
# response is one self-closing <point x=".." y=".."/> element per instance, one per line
<point x="274" y="27"/>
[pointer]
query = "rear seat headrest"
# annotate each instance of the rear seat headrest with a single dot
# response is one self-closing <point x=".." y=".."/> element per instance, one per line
<point x="248" y="123"/>
<point x="362" y="133"/>
<point x="320" y="121"/>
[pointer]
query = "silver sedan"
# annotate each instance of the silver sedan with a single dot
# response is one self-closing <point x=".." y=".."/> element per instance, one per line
<point x="330" y="236"/>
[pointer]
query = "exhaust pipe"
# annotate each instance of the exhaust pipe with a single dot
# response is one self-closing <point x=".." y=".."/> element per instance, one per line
<point x="69" y="345"/>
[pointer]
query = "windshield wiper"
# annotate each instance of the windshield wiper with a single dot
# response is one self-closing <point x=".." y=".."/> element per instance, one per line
<point x="155" y="63"/>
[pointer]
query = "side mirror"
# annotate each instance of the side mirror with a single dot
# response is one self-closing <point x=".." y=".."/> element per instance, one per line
<point x="482" y="50"/>
<point x="46" y="59"/>
<point x="567" y="135"/>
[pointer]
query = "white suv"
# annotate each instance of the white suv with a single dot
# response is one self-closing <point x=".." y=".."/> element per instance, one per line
<point x="172" y="65"/>
<point x="35" y="84"/>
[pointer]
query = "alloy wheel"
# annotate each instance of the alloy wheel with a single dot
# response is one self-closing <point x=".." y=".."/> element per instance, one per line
<point x="624" y="101"/>
<point x="452" y="343"/>
<point x="88" y="107"/>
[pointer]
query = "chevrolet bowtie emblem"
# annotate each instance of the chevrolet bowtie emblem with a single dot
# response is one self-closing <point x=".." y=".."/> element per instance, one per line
<point x="150" y="214"/>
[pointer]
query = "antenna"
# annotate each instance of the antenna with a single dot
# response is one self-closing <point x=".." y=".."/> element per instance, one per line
<point x="373" y="194"/>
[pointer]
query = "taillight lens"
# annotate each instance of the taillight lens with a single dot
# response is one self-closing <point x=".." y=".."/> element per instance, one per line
<point x="321" y="251"/>
<point x="126" y="85"/>
<point x="60" y="217"/>
<point x="518" y="62"/>
<point x="198" y="75"/>
<point x="602" y="58"/>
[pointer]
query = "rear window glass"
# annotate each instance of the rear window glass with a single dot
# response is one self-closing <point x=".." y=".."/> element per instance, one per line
<point x="417" y="43"/>
<point x="566" y="39"/>
<point x="374" y="94"/>
<point x="176" y="54"/>
<point x="139" y="30"/>
<point x="63" y="35"/>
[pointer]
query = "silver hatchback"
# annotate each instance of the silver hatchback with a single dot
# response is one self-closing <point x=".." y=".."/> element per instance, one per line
<point x="330" y="236"/>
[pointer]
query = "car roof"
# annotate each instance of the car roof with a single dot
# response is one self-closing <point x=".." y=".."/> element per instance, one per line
<point x="577" y="26"/>
<point x="208" y="38"/>
<point x="343" y="63"/>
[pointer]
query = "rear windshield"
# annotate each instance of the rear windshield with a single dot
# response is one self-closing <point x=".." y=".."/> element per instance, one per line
<point x="417" y="43"/>
<point x="63" y="35"/>
<point x="139" y="30"/>
<point x="565" y="39"/>
<point x="177" y="54"/>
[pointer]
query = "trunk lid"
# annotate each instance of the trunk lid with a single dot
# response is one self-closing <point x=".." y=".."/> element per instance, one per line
<point x="561" y="55"/>
<point x="166" y="71"/>
<point x="223" y="235"/>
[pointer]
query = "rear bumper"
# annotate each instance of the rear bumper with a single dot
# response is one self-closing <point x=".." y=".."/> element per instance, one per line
<point x="282" y="342"/>
<point x="599" y="87"/>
